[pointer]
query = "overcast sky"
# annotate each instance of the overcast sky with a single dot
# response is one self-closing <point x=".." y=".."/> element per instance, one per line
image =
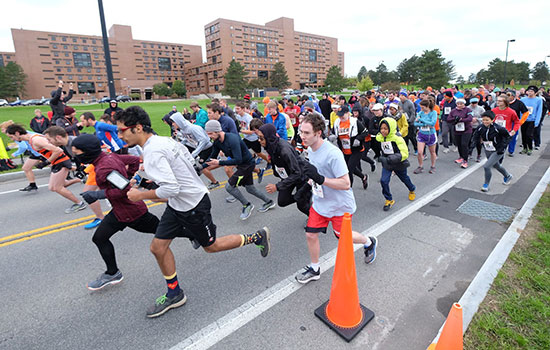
<point x="368" y="32"/>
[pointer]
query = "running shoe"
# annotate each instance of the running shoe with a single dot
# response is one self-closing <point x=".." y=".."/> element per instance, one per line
<point x="373" y="167"/>
<point x="485" y="188"/>
<point x="459" y="161"/>
<point x="365" y="181"/>
<point x="213" y="185"/>
<point x="478" y="159"/>
<point x="464" y="165"/>
<point x="388" y="204"/>
<point x="370" y="251"/>
<point x="104" y="280"/>
<point x="93" y="224"/>
<point x="537" y="148"/>
<point x="29" y="188"/>
<point x="230" y="199"/>
<point x="75" y="207"/>
<point x="529" y="152"/>
<point x="164" y="303"/>
<point x="446" y="150"/>
<point x="507" y="179"/>
<point x="261" y="175"/>
<point x="266" y="206"/>
<point x="264" y="243"/>
<point x="415" y="153"/>
<point x="268" y="166"/>
<point x="523" y="151"/>
<point x="412" y="195"/>
<point x="258" y="160"/>
<point x="418" y="170"/>
<point x="510" y="154"/>
<point x="432" y="170"/>
<point x="308" y="275"/>
<point x="247" y="210"/>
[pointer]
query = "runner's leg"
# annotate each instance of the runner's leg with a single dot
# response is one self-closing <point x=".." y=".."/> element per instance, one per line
<point x="57" y="184"/>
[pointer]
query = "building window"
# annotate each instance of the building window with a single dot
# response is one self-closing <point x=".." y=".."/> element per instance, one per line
<point x="93" y="41"/>
<point x="82" y="59"/>
<point x="65" y="47"/>
<point x="213" y="45"/>
<point x="56" y="54"/>
<point x="215" y="74"/>
<point x="66" y="54"/>
<point x="214" y="59"/>
<point x="313" y="77"/>
<point x="216" y="87"/>
<point x="262" y="74"/>
<point x="54" y="46"/>
<point x="196" y="71"/>
<point x="212" y="29"/>
<point x="53" y="37"/>
<point x="63" y="38"/>
<point x="70" y="77"/>
<point x="313" y="55"/>
<point x="69" y="70"/>
<point x="67" y="62"/>
<point x="164" y="63"/>
<point x="86" y="87"/>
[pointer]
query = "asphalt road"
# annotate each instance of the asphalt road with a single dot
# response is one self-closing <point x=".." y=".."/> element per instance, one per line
<point x="424" y="263"/>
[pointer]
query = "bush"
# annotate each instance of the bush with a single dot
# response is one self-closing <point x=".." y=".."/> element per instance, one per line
<point x="391" y="86"/>
<point x="135" y="96"/>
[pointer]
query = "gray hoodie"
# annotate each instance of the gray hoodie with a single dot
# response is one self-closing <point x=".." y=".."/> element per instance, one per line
<point x="192" y="135"/>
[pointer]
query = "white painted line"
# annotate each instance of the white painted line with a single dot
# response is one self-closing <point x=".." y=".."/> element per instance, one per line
<point x="478" y="289"/>
<point x="12" y="191"/>
<point x="226" y="325"/>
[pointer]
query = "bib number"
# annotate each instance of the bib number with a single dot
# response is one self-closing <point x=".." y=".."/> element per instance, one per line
<point x="345" y="143"/>
<point x="447" y="110"/>
<point x="387" y="147"/>
<point x="489" y="146"/>
<point x="425" y="128"/>
<point x="317" y="189"/>
<point x="282" y="172"/>
<point x="501" y="122"/>
<point x="460" y="126"/>
<point x="293" y="120"/>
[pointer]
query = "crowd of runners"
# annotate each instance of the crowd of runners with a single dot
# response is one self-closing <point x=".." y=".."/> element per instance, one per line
<point x="315" y="148"/>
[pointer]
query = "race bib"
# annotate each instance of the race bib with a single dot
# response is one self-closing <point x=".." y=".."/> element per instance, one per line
<point x="489" y="146"/>
<point x="447" y="110"/>
<point x="425" y="128"/>
<point x="387" y="147"/>
<point x="460" y="126"/>
<point x="345" y="143"/>
<point x="317" y="189"/>
<point x="282" y="172"/>
<point x="501" y="122"/>
<point x="530" y="108"/>
<point x="293" y="120"/>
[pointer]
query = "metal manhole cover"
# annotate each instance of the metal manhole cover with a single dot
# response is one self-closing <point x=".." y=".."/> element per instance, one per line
<point x="486" y="210"/>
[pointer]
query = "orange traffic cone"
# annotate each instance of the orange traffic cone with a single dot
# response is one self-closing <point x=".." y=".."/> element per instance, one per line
<point x="451" y="335"/>
<point x="342" y="312"/>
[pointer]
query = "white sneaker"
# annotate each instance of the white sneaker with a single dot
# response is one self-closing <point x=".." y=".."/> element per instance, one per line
<point x="446" y="150"/>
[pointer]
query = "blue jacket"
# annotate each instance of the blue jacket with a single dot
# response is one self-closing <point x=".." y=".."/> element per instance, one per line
<point x="534" y="105"/>
<point x="280" y="124"/>
<point x="108" y="134"/>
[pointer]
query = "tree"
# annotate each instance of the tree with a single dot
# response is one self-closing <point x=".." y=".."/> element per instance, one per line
<point x="472" y="78"/>
<point x="365" y="84"/>
<point x="279" y="78"/>
<point x="334" y="81"/>
<point x="362" y="73"/>
<point x="380" y="76"/>
<point x="235" y="80"/>
<point x="351" y="81"/>
<point x="434" y="70"/>
<point x="408" y="70"/>
<point x="391" y="86"/>
<point x="12" y="81"/>
<point x="161" y="89"/>
<point x="259" y="83"/>
<point x="460" y="80"/>
<point x="541" y="72"/>
<point x="178" y="88"/>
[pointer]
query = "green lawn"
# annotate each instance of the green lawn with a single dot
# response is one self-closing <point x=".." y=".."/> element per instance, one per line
<point x="516" y="312"/>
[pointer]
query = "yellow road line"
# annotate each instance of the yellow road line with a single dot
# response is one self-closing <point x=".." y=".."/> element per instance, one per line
<point x="66" y="225"/>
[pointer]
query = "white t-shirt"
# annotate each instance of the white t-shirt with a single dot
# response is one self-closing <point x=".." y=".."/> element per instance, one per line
<point x="245" y="125"/>
<point x="170" y="165"/>
<point x="330" y="163"/>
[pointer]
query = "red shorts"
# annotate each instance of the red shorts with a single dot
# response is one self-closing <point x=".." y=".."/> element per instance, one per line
<point x="317" y="223"/>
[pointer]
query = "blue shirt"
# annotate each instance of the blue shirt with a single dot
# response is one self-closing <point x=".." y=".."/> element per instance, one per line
<point x="280" y="124"/>
<point x="228" y="125"/>
<point x="534" y="105"/>
<point x="426" y="122"/>
<point x="108" y="134"/>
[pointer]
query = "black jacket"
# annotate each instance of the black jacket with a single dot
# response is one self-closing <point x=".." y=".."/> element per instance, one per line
<point x="496" y="133"/>
<point x="374" y="123"/>
<point x="112" y="111"/>
<point x="58" y="104"/>
<point x="326" y="108"/>
<point x="39" y="126"/>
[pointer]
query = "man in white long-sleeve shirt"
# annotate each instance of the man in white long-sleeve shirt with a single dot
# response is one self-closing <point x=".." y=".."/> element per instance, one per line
<point x="170" y="165"/>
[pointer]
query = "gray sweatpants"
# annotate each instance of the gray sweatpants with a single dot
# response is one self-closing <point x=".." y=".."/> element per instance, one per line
<point x="493" y="161"/>
<point x="234" y="191"/>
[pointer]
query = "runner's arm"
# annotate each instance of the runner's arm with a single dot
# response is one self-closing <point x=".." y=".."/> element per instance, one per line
<point x="42" y="143"/>
<point x="340" y="183"/>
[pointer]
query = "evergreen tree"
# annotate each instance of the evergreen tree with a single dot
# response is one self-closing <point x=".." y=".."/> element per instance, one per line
<point x="334" y="81"/>
<point x="12" y="81"/>
<point x="362" y="73"/>
<point x="279" y="78"/>
<point x="235" y="80"/>
<point x="178" y="88"/>
<point x="434" y="70"/>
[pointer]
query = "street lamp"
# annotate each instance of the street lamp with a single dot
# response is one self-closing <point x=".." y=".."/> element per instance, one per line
<point x="506" y="60"/>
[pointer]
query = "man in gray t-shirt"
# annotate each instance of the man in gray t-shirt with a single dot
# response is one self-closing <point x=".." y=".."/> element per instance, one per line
<point x="249" y="137"/>
<point x="332" y="195"/>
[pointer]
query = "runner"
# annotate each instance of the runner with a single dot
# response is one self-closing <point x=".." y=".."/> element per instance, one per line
<point x="350" y="133"/>
<point x="460" y="119"/>
<point x="59" y="161"/>
<point x="477" y="111"/>
<point x="187" y="214"/>
<point x="506" y="117"/>
<point x="534" y="105"/>
<point x="394" y="160"/>
<point x="105" y="131"/>
<point x="495" y="139"/>
<point x="57" y="136"/>
<point x="426" y="136"/>
<point x="275" y="117"/>
<point x="400" y="118"/>
<point x="374" y="127"/>
<point x="125" y="213"/>
<point x="250" y="138"/>
<point x="113" y="108"/>
<point x="289" y="167"/>
<point x="522" y="113"/>
<point x="449" y="104"/>
<point x="332" y="195"/>
<point x="199" y="115"/>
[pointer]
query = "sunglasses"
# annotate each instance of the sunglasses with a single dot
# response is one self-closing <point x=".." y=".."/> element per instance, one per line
<point x="121" y="130"/>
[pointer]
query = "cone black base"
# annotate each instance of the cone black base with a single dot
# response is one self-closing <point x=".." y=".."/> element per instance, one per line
<point x="347" y="333"/>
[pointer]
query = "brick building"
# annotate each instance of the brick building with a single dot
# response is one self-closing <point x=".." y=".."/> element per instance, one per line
<point x="6" y="57"/>
<point x="137" y="64"/>
<point x="306" y="57"/>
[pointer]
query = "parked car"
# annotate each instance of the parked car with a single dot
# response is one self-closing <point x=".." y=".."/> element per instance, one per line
<point x="123" y="98"/>
<point x="30" y="102"/>
<point x="16" y="103"/>
<point x="105" y="99"/>
<point x="3" y="102"/>
<point x="296" y="92"/>
<point x="286" y="92"/>
<point x="44" y="101"/>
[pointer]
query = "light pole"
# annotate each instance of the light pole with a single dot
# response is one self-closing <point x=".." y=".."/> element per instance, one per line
<point x="107" y="51"/>
<point x="506" y="60"/>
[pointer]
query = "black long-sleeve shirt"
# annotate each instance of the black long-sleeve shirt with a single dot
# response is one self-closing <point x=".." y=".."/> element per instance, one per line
<point x="233" y="147"/>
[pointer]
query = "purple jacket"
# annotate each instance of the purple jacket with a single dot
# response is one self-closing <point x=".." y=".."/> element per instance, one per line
<point x="463" y="115"/>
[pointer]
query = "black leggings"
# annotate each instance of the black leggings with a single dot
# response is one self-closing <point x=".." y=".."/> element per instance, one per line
<point x="366" y="157"/>
<point x="527" y="133"/>
<point x="302" y="197"/>
<point x="462" y="142"/>
<point x="109" y="226"/>
<point x="353" y="160"/>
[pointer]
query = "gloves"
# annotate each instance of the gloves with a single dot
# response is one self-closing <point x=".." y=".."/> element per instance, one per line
<point x="92" y="196"/>
<point x="42" y="164"/>
<point x="457" y="119"/>
<point x="311" y="171"/>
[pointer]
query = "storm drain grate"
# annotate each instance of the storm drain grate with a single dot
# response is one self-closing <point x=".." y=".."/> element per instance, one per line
<point x="486" y="210"/>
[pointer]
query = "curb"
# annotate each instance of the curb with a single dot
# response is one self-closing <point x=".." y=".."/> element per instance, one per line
<point x="480" y="285"/>
<point x="21" y="175"/>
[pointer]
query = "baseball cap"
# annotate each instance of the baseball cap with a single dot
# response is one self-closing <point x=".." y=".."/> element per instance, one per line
<point x="533" y="88"/>
<point x="377" y="106"/>
<point x="394" y="105"/>
<point x="343" y="110"/>
<point x="309" y="104"/>
<point x="474" y="100"/>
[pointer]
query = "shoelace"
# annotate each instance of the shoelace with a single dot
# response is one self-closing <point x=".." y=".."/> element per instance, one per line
<point x="160" y="300"/>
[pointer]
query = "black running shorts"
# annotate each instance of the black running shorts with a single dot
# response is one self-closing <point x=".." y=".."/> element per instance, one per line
<point x="243" y="175"/>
